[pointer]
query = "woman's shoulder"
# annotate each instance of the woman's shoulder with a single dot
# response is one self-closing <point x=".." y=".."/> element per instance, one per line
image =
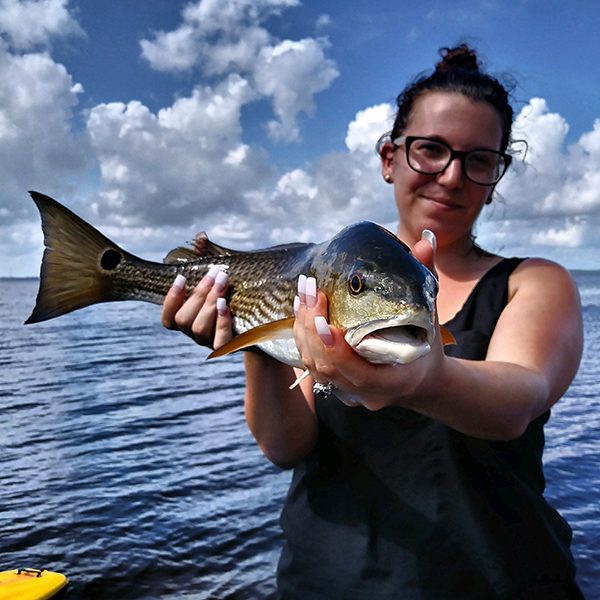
<point x="540" y="276"/>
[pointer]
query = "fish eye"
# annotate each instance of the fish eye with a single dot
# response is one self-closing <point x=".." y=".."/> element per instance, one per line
<point x="356" y="283"/>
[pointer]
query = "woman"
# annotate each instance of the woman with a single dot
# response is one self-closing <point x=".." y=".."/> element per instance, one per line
<point x="433" y="488"/>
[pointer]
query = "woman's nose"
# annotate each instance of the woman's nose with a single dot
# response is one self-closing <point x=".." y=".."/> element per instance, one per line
<point x="452" y="175"/>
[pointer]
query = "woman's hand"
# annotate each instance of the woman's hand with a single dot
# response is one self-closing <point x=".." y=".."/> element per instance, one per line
<point x="204" y="316"/>
<point x="330" y="359"/>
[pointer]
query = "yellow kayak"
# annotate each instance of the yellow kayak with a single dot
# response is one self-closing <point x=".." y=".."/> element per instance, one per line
<point x="30" y="584"/>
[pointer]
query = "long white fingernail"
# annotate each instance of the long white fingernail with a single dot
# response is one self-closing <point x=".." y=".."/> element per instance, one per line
<point x="296" y="305"/>
<point x="179" y="282"/>
<point x="311" y="292"/>
<point x="221" y="280"/>
<point x="212" y="273"/>
<point x="302" y="288"/>
<point x="429" y="236"/>
<point x="221" y="307"/>
<point x="323" y="330"/>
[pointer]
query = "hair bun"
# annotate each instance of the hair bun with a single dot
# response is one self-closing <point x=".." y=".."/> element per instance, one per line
<point x="461" y="57"/>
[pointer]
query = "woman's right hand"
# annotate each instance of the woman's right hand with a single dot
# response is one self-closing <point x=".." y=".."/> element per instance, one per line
<point x="204" y="316"/>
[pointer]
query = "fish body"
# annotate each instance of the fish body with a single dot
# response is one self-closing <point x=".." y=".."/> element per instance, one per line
<point x="379" y="294"/>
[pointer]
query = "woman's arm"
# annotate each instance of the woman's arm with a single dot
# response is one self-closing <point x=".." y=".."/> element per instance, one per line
<point x="283" y="421"/>
<point x="533" y="356"/>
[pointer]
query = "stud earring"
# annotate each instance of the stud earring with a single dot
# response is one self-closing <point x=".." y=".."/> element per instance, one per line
<point x="388" y="178"/>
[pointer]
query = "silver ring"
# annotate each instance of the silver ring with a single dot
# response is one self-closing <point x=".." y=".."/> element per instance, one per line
<point x="324" y="388"/>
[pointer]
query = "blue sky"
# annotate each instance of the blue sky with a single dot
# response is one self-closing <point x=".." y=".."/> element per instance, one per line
<point x="255" y="119"/>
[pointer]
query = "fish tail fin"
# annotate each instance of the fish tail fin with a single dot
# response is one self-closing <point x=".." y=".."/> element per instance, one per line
<point x="75" y="256"/>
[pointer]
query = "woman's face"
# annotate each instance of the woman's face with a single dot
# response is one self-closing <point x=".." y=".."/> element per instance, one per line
<point x="448" y="204"/>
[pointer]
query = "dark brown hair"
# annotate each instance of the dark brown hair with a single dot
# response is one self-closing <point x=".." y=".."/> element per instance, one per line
<point x="459" y="71"/>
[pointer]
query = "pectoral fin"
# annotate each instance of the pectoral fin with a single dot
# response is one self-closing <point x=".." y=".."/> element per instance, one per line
<point x="276" y="330"/>
<point x="447" y="338"/>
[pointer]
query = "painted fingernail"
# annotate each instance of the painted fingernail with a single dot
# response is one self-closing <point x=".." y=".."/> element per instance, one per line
<point x="302" y="288"/>
<point x="221" y="280"/>
<point x="429" y="236"/>
<point x="296" y="305"/>
<point x="179" y="283"/>
<point x="311" y="292"/>
<point x="323" y="330"/>
<point x="221" y="307"/>
<point x="212" y="274"/>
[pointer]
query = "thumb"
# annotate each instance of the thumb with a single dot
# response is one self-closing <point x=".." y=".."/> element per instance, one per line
<point x="424" y="250"/>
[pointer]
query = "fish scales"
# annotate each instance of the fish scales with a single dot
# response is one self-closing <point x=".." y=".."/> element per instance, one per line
<point x="378" y="293"/>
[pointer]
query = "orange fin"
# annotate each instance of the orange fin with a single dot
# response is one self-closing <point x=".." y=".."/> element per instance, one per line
<point x="447" y="338"/>
<point x="263" y="333"/>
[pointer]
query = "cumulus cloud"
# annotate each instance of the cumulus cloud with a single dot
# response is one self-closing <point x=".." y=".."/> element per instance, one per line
<point x="341" y="188"/>
<point x="187" y="159"/>
<point x="216" y="36"/>
<point x="220" y="38"/>
<point x="291" y="73"/>
<point x="38" y="148"/>
<point x="37" y="144"/>
<point x="368" y="125"/>
<point x="162" y="174"/>
<point x="29" y="24"/>
<point x="553" y="199"/>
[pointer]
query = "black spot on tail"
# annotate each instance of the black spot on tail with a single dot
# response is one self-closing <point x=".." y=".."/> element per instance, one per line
<point x="110" y="260"/>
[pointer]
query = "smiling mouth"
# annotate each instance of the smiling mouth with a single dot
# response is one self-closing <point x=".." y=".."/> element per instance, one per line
<point x="441" y="202"/>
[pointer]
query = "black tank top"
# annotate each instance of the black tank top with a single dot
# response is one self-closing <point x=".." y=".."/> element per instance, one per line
<point x="395" y="505"/>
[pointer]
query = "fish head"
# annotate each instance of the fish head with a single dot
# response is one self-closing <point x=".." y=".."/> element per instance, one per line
<point x="379" y="294"/>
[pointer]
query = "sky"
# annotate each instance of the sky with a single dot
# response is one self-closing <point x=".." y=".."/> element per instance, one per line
<point x="255" y="120"/>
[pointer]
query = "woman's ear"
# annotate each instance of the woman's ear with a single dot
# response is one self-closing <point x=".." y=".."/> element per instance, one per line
<point x="386" y="153"/>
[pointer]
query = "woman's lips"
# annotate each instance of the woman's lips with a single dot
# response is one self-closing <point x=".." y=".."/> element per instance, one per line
<point x="443" y="202"/>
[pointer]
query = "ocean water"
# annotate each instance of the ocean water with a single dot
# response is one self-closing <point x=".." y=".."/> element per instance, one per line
<point x="126" y="463"/>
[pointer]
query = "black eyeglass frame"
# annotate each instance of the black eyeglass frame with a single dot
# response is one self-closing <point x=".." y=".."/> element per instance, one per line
<point x="407" y="140"/>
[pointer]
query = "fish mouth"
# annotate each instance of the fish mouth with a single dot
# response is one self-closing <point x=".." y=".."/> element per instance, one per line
<point x="398" y="340"/>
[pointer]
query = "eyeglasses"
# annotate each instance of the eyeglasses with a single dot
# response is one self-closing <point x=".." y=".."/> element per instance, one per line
<point x="431" y="157"/>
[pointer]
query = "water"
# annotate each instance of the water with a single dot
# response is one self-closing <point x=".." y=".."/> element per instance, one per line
<point x="126" y="463"/>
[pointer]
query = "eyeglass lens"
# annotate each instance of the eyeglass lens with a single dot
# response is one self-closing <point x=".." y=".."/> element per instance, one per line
<point x="431" y="157"/>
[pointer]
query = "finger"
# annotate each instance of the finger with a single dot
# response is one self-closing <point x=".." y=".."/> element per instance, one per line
<point x="302" y="288"/>
<point x="224" y="325"/>
<point x="173" y="302"/>
<point x="300" y="314"/>
<point x="323" y="330"/>
<point x="188" y="313"/>
<point x="424" y="250"/>
<point x="203" y="328"/>
<point x="314" y="335"/>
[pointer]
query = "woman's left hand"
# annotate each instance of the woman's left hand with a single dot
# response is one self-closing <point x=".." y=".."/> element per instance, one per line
<point x="329" y="358"/>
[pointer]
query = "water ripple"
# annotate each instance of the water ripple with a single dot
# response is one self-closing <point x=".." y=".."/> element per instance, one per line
<point x="125" y="455"/>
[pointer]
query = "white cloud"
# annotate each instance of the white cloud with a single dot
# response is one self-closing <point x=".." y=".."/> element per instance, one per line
<point x="368" y="125"/>
<point x="221" y="38"/>
<point x="215" y="36"/>
<point x="297" y="183"/>
<point x="165" y="167"/>
<point x="28" y="24"/>
<point x="571" y="236"/>
<point x="340" y="189"/>
<point x="553" y="198"/>
<point x="291" y="73"/>
<point x="172" y="51"/>
<point x="166" y="173"/>
<point x="323" y="21"/>
<point x="555" y="181"/>
<point x="37" y="145"/>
